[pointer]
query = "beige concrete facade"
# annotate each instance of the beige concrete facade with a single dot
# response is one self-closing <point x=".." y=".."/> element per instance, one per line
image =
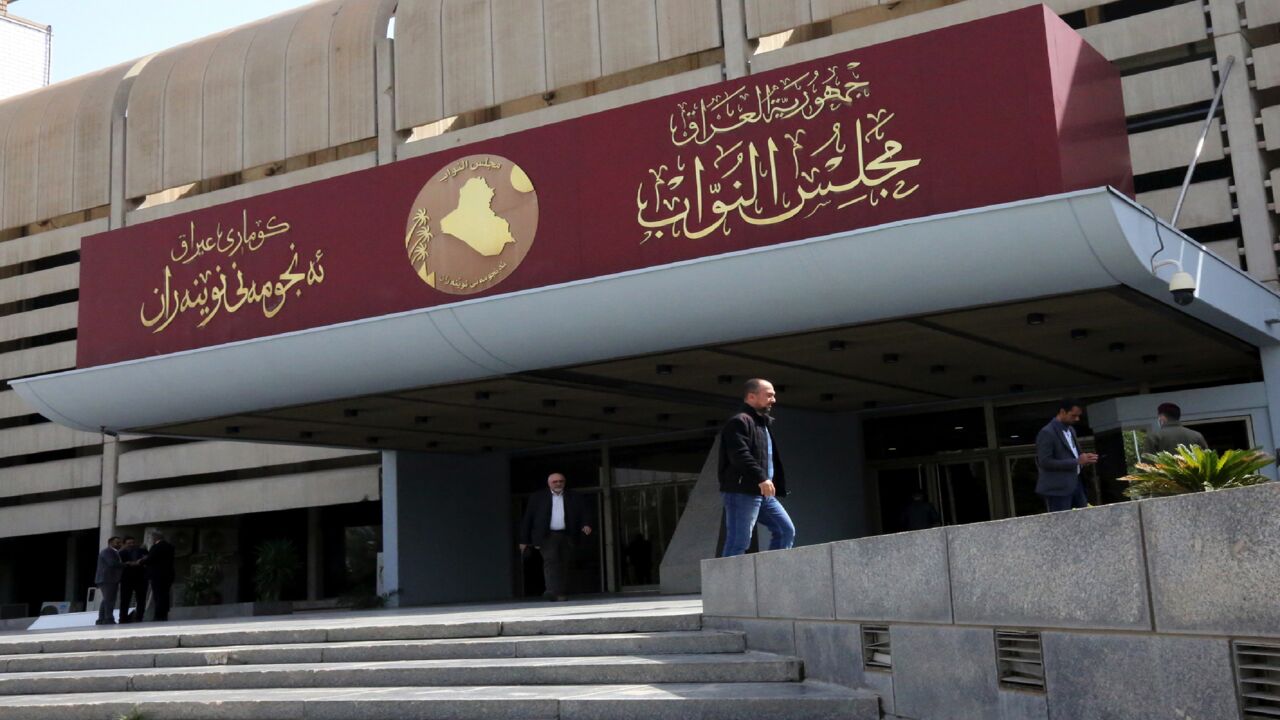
<point x="324" y="90"/>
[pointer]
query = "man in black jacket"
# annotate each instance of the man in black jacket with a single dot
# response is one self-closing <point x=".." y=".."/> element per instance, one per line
<point x="159" y="566"/>
<point x="554" y="519"/>
<point x="751" y="475"/>
<point x="133" y="583"/>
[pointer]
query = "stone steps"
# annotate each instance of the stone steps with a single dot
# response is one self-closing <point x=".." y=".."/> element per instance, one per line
<point x="527" y="663"/>
<point x="678" y="642"/>
<point x="703" y="701"/>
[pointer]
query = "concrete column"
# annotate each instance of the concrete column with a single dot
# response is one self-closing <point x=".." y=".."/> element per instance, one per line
<point x="72" y="563"/>
<point x="1248" y="167"/>
<point x="110" y="471"/>
<point x="384" y="74"/>
<point x="737" y="47"/>
<point x="453" y="527"/>
<point x="390" y="527"/>
<point x="315" y="555"/>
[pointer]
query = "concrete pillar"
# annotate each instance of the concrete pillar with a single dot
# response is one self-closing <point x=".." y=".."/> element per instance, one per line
<point x="452" y="527"/>
<point x="1248" y="166"/>
<point x="390" y="579"/>
<point x="110" y="471"/>
<point x="315" y="555"/>
<point x="384" y="76"/>
<point x="72" y="563"/>
<point x="737" y="47"/>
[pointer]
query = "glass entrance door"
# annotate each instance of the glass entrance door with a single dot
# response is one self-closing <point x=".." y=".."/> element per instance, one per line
<point x="958" y="492"/>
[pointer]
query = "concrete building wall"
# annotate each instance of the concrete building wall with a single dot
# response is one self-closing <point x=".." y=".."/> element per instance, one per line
<point x="24" y="55"/>
<point x="295" y="98"/>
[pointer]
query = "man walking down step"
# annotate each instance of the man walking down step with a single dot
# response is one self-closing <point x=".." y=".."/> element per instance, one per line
<point x="553" y="522"/>
<point x="751" y="475"/>
<point x="1059" y="460"/>
<point x="107" y="578"/>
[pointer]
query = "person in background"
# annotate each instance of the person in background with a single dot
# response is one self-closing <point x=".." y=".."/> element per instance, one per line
<point x="159" y="566"/>
<point x="133" y="580"/>
<point x="107" y="578"/>
<point x="919" y="514"/>
<point x="553" y="522"/>
<point x="1171" y="433"/>
<point x="1060" y="461"/>
<point x="751" y="474"/>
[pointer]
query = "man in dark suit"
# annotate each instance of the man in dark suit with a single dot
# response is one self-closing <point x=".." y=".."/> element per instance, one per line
<point x="133" y="580"/>
<point x="554" y="519"/>
<point x="107" y="578"/>
<point x="1060" y="461"/>
<point x="159" y="567"/>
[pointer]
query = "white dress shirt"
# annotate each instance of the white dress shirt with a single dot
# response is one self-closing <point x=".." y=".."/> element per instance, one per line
<point x="1071" y="443"/>
<point x="557" y="511"/>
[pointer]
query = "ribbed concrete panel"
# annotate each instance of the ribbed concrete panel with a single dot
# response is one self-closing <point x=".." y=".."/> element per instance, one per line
<point x="467" y="42"/>
<point x="1261" y="12"/>
<point x="41" y="518"/>
<point x="222" y="96"/>
<point x="144" y="136"/>
<point x="92" y="174"/>
<point x="573" y="41"/>
<point x="1168" y="87"/>
<point x="519" y="51"/>
<point x="56" y="476"/>
<point x="44" y="359"/>
<point x="183" y="122"/>
<point x="22" y="160"/>
<point x="29" y="439"/>
<point x="264" y="91"/>
<point x="827" y="9"/>
<point x="1207" y="203"/>
<point x="328" y="487"/>
<point x="1271" y="127"/>
<point x="1228" y="250"/>
<point x="306" y="114"/>
<point x="47" y="244"/>
<point x="38" y="322"/>
<point x="1172" y="147"/>
<point x="419" y="63"/>
<point x="1266" y="66"/>
<point x="56" y="178"/>
<point x="628" y="34"/>
<point x="352" y="98"/>
<point x="207" y="457"/>
<point x="1148" y="32"/>
<point x="43" y="282"/>
<point x="687" y="26"/>
<point x="12" y="406"/>
<point x="765" y="17"/>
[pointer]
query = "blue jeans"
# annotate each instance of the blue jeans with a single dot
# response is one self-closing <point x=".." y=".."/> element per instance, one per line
<point x="740" y="514"/>
<point x="1058" y="503"/>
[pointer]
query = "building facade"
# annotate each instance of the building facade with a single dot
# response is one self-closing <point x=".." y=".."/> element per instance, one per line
<point x="940" y="392"/>
<point x="24" y="61"/>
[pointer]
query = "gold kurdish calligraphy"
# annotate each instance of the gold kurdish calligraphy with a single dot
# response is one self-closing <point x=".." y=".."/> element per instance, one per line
<point x="224" y="289"/>
<point x="832" y="149"/>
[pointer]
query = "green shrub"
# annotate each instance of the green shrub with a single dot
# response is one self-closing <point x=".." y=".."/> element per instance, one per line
<point x="276" y="564"/>
<point x="1192" y="469"/>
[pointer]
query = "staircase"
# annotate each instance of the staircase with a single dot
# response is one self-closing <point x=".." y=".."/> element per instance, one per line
<point x="392" y="667"/>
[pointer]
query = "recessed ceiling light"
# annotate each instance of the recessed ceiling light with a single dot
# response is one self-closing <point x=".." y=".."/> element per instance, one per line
<point x="549" y="403"/>
<point x="979" y="379"/>
<point x="827" y="397"/>
<point x="664" y="417"/>
<point x="372" y="439"/>
<point x="541" y="431"/>
<point x="1014" y="437"/>
<point x="712" y="423"/>
<point x="609" y="410"/>
<point x="664" y="369"/>
<point x="889" y="358"/>
<point x="422" y="419"/>
<point x="1116" y="347"/>
<point x="482" y="395"/>
<point x="1017" y="388"/>
<point x="1035" y="318"/>
<point x="1150" y="359"/>
<point x="893" y="449"/>
<point x="233" y="430"/>
<point x="724" y="379"/>
<point x="306" y="434"/>
<point x="432" y="444"/>
<point x="780" y="388"/>
<point x="959" y="427"/>
<point x="1079" y="334"/>
<point x="485" y="425"/>
<point x="594" y="436"/>
<point x="937" y="369"/>
<point x="351" y="412"/>
<point x="835" y="345"/>
<point x="486" y="448"/>
<point x="869" y="404"/>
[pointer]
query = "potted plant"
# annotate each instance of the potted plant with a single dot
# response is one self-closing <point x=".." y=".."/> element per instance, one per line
<point x="276" y="564"/>
<point x="203" y="580"/>
<point x="1193" y="469"/>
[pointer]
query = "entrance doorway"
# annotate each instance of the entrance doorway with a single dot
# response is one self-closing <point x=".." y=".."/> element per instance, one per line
<point x="958" y="490"/>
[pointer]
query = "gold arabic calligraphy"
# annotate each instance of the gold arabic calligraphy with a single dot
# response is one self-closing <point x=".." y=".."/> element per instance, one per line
<point x="215" y="292"/>
<point x="796" y="172"/>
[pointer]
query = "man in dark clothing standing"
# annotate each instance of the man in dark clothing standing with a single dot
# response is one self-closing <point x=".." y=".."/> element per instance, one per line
<point x="554" y="519"/>
<point x="751" y="475"/>
<point x="159" y="567"/>
<point x="1060" y="461"/>
<point x="919" y="514"/>
<point x="1171" y="433"/>
<point x="107" y="578"/>
<point x="133" y="581"/>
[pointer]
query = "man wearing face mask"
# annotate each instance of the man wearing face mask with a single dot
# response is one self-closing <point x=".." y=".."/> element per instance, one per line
<point x="751" y="474"/>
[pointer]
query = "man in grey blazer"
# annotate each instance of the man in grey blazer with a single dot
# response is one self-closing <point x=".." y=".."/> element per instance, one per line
<point x="1060" y="461"/>
<point x="107" y="578"/>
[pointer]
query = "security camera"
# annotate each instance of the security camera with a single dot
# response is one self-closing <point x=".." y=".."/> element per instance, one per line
<point x="1183" y="288"/>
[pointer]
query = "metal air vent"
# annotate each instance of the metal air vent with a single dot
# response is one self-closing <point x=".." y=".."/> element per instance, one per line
<point x="1258" y="675"/>
<point x="1020" y="660"/>
<point x="875" y="647"/>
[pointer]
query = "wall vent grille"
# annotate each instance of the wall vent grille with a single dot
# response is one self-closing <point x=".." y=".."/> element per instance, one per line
<point x="1258" y="672"/>
<point x="875" y="647"/>
<point x="1020" y="660"/>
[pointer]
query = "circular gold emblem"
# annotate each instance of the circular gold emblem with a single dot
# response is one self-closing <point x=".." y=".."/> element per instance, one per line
<point x="472" y="224"/>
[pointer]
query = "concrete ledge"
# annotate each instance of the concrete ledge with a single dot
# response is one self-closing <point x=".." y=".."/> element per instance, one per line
<point x="1214" y="560"/>
<point x="729" y="586"/>
<point x="777" y="636"/>
<point x="902" y="577"/>
<point x="1077" y="569"/>
<point x="795" y="583"/>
